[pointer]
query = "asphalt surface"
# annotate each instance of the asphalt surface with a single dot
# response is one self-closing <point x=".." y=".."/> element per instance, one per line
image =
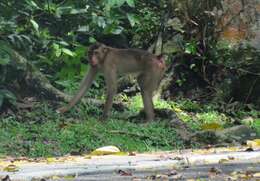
<point x="208" y="165"/>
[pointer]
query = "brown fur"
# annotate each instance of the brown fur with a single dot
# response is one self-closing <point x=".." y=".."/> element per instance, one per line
<point x="111" y="62"/>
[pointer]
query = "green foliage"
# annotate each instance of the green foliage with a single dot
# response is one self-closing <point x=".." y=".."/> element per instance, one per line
<point x="145" y="23"/>
<point x="4" y="58"/>
<point x="256" y="126"/>
<point x="7" y="96"/>
<point x="44" y="133"/>
<point x="48" y="30"/>
<point x="53" y="35"/>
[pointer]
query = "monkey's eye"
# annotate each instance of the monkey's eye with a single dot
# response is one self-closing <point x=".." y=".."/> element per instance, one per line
<point x="95" y="52"/>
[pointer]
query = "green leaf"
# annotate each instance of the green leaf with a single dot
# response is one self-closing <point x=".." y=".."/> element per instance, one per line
<point x="68" y="52"/>
<point x="101" y="22"/>
<point x="83" y="28"/>
<point x="132" y="19"/>
<point x="120" y="2"/>
<point x="110" y="3"/>
<point x="117" y="30"/>
<point x="32" y="4"/>
<point x="92" y="39"/>
<point x="1" y="99"/>
<point x="115" y="3"/>
<point x="64" y="43"/>
<point x="35" y="25"/>
<point x="131" y="3"/>
<point x="78" y="11"/>
<point x="6" y="94"/>
<point x="57" y="49"/>
<point x="4" y="58"/>
<point x="4" y="61"/>
<point x="63" y="11"/>
<point x="191" y="48"/>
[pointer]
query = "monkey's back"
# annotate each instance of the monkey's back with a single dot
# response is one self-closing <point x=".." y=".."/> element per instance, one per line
<point x="133" y="60"/>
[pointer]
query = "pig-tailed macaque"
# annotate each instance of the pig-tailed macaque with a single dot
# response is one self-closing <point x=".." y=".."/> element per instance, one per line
<point x="113" y="62"/>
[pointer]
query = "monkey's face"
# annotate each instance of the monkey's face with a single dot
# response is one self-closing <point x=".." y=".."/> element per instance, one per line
<point x="99" y="55"/>
<point x="159" y="62"/>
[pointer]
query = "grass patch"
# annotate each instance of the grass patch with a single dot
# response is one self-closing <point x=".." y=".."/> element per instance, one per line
<point x="42" y="132"/>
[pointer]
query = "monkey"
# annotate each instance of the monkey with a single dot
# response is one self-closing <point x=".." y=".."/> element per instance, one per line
<point x="112" y="62"/>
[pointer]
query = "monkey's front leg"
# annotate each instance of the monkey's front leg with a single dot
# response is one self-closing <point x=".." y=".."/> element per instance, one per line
<point x="111" y="83"/>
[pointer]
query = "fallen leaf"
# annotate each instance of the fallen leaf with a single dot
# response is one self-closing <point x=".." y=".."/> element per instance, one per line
<point x="132" y="154"/>
<point x="87" y="157"/>
<point x="253" y="143"/>
<point x="231" y="158"/>
<point x="50" y="160"/>
<point x="238" y="175"/>
<point x="69" y="177"/>
<point x="11" y="168"/>
<point x="124" y="173"/>
<point x="55" y="177"/>
<point x="106" y="150"/>
<point x="223" y="161"/>
<point x="162" y="177"/>
<point x="214" y="170"/>
<point x="173" y="172"/>
<point x="257" y="175"/>
<point x="178" y="158"/>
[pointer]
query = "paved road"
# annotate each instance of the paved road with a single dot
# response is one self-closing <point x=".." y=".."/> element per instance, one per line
<point x="214" y="165"/>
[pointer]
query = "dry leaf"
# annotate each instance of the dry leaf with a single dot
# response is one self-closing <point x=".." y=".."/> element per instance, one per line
<point x="87" y="157"/>
<point x="214" y="170"/>
<point x="69" y="177"/>
<point x="11" y="168"/>
<point x="106" y="150"/>
<point x="124" y="173"/>
<point x="50" y="160"/>
<point x="253" y="143"/>
<point x="257" y="175"/>
<point x="221" y="161"/>
<point x="55" y="177"/>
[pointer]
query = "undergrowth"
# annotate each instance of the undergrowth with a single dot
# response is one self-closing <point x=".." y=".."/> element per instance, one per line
<point x="43" y="132"/>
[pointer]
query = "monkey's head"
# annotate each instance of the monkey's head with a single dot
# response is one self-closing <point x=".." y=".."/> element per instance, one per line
<point x="97" y="54"/>
<point x="91" y="49"/>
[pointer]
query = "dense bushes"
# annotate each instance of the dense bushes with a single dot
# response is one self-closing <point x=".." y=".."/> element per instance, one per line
<point x="54" y="35"/>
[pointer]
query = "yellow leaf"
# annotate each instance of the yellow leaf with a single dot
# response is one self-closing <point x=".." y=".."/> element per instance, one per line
<point x="69" y="177"/>
<point x="121" y="153"/>
<point x="106" y="150"/>
<point x="55" y="177"/>
<point x="11" y="168"/>
<point x="211" y="126"/>
<point x="177" y="109"/>
<point x="253" y="143"/>
<point x="50" y="160"/>
<point x="87" y="157"/>
<point x="257" y="175"/>
<point x="223" y="161"/>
